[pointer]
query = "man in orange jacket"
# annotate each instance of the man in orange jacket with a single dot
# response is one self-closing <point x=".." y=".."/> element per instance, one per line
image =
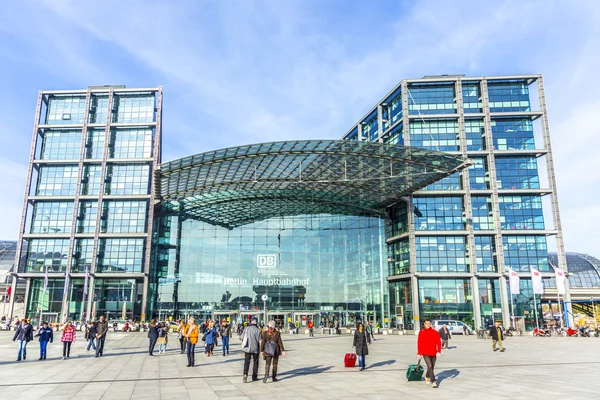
<point x="429" y="346"/>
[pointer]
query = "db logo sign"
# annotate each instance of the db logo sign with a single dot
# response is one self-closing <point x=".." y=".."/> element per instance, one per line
<point x="266" y="260"/>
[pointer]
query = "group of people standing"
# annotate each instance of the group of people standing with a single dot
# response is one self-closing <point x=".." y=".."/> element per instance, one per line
<point x="95" y="334"/>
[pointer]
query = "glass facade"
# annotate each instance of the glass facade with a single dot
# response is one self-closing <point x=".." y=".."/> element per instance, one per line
<point x="446" y="299"/>
<point x="442" y="254"/>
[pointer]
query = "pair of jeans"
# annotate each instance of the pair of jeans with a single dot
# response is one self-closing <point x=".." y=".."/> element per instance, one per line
<point x="254" y="357"/>
<point x="151" y="345"/>
<point x="91" y="344"/>
<point x="274" y="361"/>
<point x="208" y="348"/>
<point x="162" y="347"/>
<point x="182" y="343"/>
<point x="225" y="344"/>
<point x="43" y="348"/>
<point x="100" y="345"/>
<point x="362" y="361"/>
<point x="66" y="349"/>
<point x="22" y="349"/>
<point x="191" y="348"/>
<point x="430" y="361"/>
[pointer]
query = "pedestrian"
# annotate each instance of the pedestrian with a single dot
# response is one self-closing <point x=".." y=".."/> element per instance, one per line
<point x="67" y="338"/>
<point x="497" y="336"/>
<point x="210" y="339"/>
<point x="330" y="328"/>
<point x="338" y="331"/>
<point x="369" y="329"/>
<point x="115" y="326"/>
<point x="445" y="336"/>
<point x="163" y="338"/>
<point x="181" y="335"/>
<point x="101" y="331"/>
<point x="152" y="337"/>
<point x="429" y="346"/>
<point x="90" y="335"/>
<point x="310" y="329"/>
<point x="292" y="328"/>
<point x="191" y="337"/>
<point x="271" y="347"/>
<point x="45" y="335"/>
<point x="240" y="330"/>
<point x="23" y="335"/>
<point x="225" y="333"/>
<point x="251" y="349"/>
<point x="360" y="343"/>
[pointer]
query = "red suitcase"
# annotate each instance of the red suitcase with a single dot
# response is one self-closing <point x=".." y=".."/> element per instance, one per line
<point x="350" y="360"/>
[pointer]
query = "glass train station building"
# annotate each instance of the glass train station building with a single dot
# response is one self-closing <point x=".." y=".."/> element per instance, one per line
<point x="417" y="211"/>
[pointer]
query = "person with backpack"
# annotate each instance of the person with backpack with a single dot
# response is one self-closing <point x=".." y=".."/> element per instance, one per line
<point x="225" y="333"/>
<point x="68" y="337"/>
<point x="360" y="343"/>
<point x="45" y="335"/>
<point x="271" y="347"/>
<point x="429" y="347"/>
<point x="152" y="337"/>
<point x="23" y="335"/>
<point x="90" y="335"/>
<point x="210" y="339"/>
<point x="163" y="338"/>
<point x="191" y="337"/>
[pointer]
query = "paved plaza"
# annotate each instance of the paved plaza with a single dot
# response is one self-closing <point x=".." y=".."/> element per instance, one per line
<point x="530" y="368"/>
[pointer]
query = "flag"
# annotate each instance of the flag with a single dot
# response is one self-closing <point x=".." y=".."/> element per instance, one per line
<point x="514" y="282"/>
<point x="66" y="289"/>
<point x="85" y="285"/>
<point x="560" y="280"/>
<point x="45" y="282"/>
<point x="536" y="281"/>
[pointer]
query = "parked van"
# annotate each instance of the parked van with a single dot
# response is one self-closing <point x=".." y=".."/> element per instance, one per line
<point x="455" y="327"/>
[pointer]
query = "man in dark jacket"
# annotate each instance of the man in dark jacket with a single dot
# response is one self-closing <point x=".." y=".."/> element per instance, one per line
<point x="445" y="336"/>
<point x="101" y="331"/>
<point x="152" y="337"/>
<point x="497" y="336"/>
<point x="90" y="335"/>
<point x="271" y="347"/>
<point x="23" y="334"/>
<point x="251" y="348"/>
<point x="429" y="346"/>
<point x="46" y="335"/>
<point x="225" y="333"/>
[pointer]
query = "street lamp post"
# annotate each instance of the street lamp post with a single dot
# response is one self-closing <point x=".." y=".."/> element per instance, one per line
<point x="594" y="312"/>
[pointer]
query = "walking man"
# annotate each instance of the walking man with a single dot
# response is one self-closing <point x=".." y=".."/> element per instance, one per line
<point x="370" y="331"/>
<point x="271" y="347"/>
<point x="46" y="335"/>
<point x="23" y="335"/>
<point x="429" y="346"/>
<point x="225" y="335"/>
<point x="152" y="337"/>
<point x="191" y="337"/>
<point x="101" y="331"/>
<point x="497" y="336"/>
<point x="90" y="335"/>
<point x="310" y="329"/>
<point x="251" y="348"/>
<point x="445" y="336"/>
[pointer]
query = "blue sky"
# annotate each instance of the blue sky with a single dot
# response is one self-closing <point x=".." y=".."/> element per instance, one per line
<point x="239" y="72"/>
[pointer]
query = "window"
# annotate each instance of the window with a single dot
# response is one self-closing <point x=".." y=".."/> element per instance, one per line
<point x="86" y="218"/>
<point x="513" y="134"/>
<point x="57" y="180"/>
<point x="47" y="253"/>
<point x="121" y="255"/>
<point x="435" y="135"/>
<point x="65" y="109"/>
<point x="52" y="217"/>
<point x="478" y="178"/>
<point x="399" y="258"/>
<point x="508" y="96"/>
<point x="523" y="252"/>
<point x="395" y="136"/>
<point x="98" y="108"/>
<point x="431" y="99"/>
<point x="521" y="212"/>
<point x="82" y="255"/>
<point x="124" y="216"/>
<point x="61" y="144"/>
<point x="442" y="254"/>
<point x="452" y="182"/>
<point x="471" y="98"/>
<point x="131" y="143"/>
<point x="482" y="213"/>
<point x="517" y="173"/>
<point x="91" y="179"/>
<point x="94" y="145"/>
<point x="474" y="131"/>
<point x="392" y="111"/>
<point x="484" y="252"/>
<point x="370" y="127"/>
<point x="127" y="179"/>
<point x="133" y="107"/>
<point x="439" y="213"/>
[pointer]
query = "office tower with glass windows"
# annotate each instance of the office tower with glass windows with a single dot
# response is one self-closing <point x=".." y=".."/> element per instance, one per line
<point x="450" y="245"/>
<point x="87" y="214"/>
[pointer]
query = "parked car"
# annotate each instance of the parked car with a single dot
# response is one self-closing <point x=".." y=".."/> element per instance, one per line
<point x="121" y="326"/>
<point x="3" y="326"/>
<point x="455" y="327"/>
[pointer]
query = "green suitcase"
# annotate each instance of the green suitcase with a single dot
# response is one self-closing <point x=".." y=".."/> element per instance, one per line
<point x="415" y="372"/>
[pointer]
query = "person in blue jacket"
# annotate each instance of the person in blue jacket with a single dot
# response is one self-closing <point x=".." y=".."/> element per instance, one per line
<point x="45" y="334"/>
<point x="23" y="335"/>
<point x="210" y="337"/>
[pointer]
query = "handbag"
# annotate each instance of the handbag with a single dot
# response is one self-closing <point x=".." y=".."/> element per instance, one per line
<point x="270" y="348"/>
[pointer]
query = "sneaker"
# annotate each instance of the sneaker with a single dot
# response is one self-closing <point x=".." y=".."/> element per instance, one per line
<point x="275" y="379"/>
<point x="41" y="358"/>
<point x="495" y="349"/>
<point x="434" y="385"/>
<point x="427" y="381"/>
<point x="502" y="351"/>
<point x="63" y="358"/>
<point x="265" y="379"/>
<point x="245" y="379"/>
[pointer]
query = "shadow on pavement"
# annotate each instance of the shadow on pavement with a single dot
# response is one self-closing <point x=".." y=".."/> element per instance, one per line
<point x="381" y="364"/>
<point x="448" y="374"/>
<point x="317" y="369"/>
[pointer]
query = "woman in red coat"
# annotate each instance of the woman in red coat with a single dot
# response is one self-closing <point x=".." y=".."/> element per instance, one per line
<point x="429" y="346"/>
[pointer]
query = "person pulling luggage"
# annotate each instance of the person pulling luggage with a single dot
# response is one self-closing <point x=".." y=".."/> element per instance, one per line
<point x="361" y="341"/>
<point x="429" y="347"/>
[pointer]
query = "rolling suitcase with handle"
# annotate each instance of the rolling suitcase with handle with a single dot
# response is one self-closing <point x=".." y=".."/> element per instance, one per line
<point x="350" y="360"/>
<point x="415" y="372"/>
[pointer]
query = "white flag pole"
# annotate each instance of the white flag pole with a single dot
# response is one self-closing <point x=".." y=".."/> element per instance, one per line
<point x="512" y="311"/>
<point x="562" y="321"/>
<point x="537" y="323"/>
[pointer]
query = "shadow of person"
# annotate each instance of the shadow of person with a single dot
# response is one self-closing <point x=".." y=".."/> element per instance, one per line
<point x="447" y="374"/>
<point x="381" y="364"/>
<point x="317" y="369"/>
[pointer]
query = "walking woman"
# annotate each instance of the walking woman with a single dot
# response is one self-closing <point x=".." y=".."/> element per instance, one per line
<point x="68" y="337"/>
<point x="361" y="341"/>
<point x="271" y="347"/>
<point x="23" y="335"/>
<point x="191" y="337"/>
<point x="162" y="338"/>
<point x="152" y="337"/>
<point x="46" y="335"/>
<point x="210" y="337"/>
<point x="181" y="335"/>
<point x="90" y="335"/>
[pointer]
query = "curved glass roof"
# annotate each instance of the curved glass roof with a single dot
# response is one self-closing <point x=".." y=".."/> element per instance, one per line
<point x="239" y="185"/>
<point x="585" y="270"/>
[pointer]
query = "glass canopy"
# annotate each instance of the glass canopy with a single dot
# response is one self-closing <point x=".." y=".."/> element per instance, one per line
<point x="239" y="185"/>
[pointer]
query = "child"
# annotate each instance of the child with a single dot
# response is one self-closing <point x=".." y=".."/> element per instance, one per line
<point x="68" y="337"/>
<point x="46" y="335"/>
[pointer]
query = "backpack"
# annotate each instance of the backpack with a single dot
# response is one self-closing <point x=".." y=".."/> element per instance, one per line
<point x="162" y="332"/>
